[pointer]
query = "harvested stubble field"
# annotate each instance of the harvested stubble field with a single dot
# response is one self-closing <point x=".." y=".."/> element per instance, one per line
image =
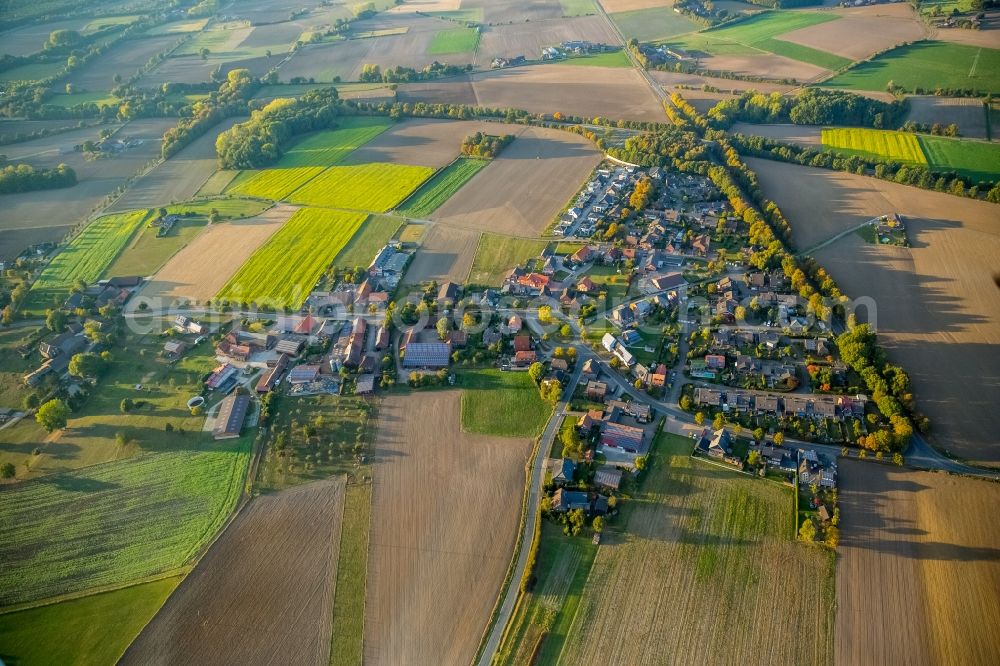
<point x="614" y="6"/>
<point x="28" y="39"/>
<point x="440" y="188"/>
<point x="514" y="11"/>
<point x="124" y="58"/>
<point x="698" y="561"/>
<point x="445" y="254"/>
<point x="424" y="141"/>
<point x="652" y="23"/>
<point x="264" y="591"/>
<point x="375" y="187"/>
<point x="525" y="187"/>
<point x="610" y="92"/>
<point x="918" y="568"/>
<point x="530" y="38"/>
<point x="966" y="112"/>
<point x="117" y="522"/>
<point x="180" y="177"/>
<point x="773" y="67"/>
<point x="283" y="271"/>
<point x="87" y="255"/>
<point x="434" y="572"/>
<point x="95" y="629"/>
<point x="803" y="135"/>
<point x="938" y="311"/>
<point x="192" y="69"/>
<point x="860" y="31"/>
<point x="200" y="270"/>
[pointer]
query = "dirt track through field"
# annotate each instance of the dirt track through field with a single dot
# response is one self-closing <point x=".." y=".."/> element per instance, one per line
<point x="263" y="594"/>
<point x="200" y="270"/>
<point x="445" y="514"/>
<point x="918" y="568"/>
<point x="937" y="308"/>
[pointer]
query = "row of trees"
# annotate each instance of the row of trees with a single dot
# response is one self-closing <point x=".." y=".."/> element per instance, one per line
<point x="25" y="178"/>
<point x="231" y="99"/>
<point x="481" y="144"/>
<point x="371" y="73"/>
<point x="906" y="174"/>
<point x="810" y="107"/>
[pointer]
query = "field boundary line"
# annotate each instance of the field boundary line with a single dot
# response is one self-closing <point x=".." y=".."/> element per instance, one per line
<point x="975" y="63"/>
<point x="83" y="594"/>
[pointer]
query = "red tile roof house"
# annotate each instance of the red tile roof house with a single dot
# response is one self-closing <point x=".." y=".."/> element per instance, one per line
<point x="523" y="358"/>
<point x="522" y="343"/>
<point x="586" y="285"/>
<point x="583" y="255"/>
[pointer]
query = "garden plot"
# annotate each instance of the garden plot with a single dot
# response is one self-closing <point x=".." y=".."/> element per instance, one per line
<point x="434" y="572"/>
<point x="938" y="310"/>
<point x="201" y="269"/>
<point x="907" y="552"/>
<point x="277" y="561"/>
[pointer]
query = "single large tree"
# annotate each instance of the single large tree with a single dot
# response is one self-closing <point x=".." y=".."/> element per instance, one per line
<point x="53" y="415"/>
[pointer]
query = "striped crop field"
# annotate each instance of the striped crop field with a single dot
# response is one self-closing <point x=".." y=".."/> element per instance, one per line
<point x="87" y="255"/>
<point x="282" y="272"/>
<point x="375" y="187"/>
<point x="439" y="189"/>
<point x="274" y="184"/>
<point x="882" y="144"/>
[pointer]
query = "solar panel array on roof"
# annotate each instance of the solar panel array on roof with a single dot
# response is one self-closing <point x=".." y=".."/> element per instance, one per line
<point x="427" y="355"/>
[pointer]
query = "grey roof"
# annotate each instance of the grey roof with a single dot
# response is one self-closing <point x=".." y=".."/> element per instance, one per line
<point x="427" y="354"/>
<point x="232" y="413"/>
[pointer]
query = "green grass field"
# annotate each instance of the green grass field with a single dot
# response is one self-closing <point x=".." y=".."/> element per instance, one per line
<point x="86" y="256"/>
<point x="609" y="59"/>
<point x="652" y="24"/>
<point x="375" y="187"/>
<point x="282" y="272"/>
<point x="705" y="540"/>
<point x="332" y="146"/>
<point x="90" y="630"/>
<point x="32" y="72"/>
<point x="120" y="521"/>
<point x="178" y="27"/>
<point x="502" y="403"/>
<point x="573" y="8"/>
<point x="228" y="208"/>
<point x="497" y="254"/>
<point x="352" y="573"/>
<point x="148" y="252"/>
<point x="439" y="189"/>
<point x="468" y="15"/>
<point x="884" y="144"/>
<point x="370" y="238"/>
<point x="274" y="184"/>
<point x="762" y="33"/>
<point x="99" y="98"/>
<point x="454" y="40"/>
<point x="976" y="160"/>
<point x="927" y="65"/>
<point x="545" y="614"/>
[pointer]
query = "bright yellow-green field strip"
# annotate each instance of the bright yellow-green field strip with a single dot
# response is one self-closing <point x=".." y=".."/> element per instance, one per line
<point x="376" y="187"/>
<point x="282" y="272"/>
<point x="884" y="144"/>
<point x="273" y="184"/>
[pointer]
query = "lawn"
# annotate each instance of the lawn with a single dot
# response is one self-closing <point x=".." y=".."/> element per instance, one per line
<point x="330" y="147"/>
<point x="454" y="40"/>
<point x="148" y="252"/>
<point x="119" y="521"/>
<point x="502" y="403"/>
<point x="497" y="254"/>
<point x="761" y="32"/>
<point x="90" y="630"/>
<point x="573" y="8"/>
<point x="228" y="208"/>
<point x="282" y="272"/>
<point x="375" y="187"/>
<point x="85" y="257"/>
<point x="543" y="617"/>
<point x="607" y="59"/>
<point x="352" y="573"/>
<point x="976" y="160"/>
<point x="926" y="65"/>
<point x="439" y="189"/>
<point x="370" y="238"/>
<point x="274" y="184"/>
<point x="12" y="369"/>
<point x="699" y="541"/>
<point x="880" y="144"/>
<point x="32" y="72"/>
<point x="652" y="24"/>
<point x="99" y="98"/>
<point x="614" y="284"/>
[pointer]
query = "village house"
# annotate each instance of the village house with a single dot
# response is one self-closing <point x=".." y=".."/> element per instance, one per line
<point x="563" y="471"/>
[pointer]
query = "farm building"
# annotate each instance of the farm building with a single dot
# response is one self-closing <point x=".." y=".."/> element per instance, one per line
<point x="303" y="374"/>
<point x="427" y="355"/>
<point x="608" y="477"/>
<point x="222" y="378"/>
<point x="289" y="346"/>
<point x="271" y="378"/>
<point x="366" y="385"/>
<point x="232" y="413"/>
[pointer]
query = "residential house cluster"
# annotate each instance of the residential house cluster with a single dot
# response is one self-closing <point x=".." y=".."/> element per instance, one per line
<point x="56" y="352"/>
<point x="811" y="406"/>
